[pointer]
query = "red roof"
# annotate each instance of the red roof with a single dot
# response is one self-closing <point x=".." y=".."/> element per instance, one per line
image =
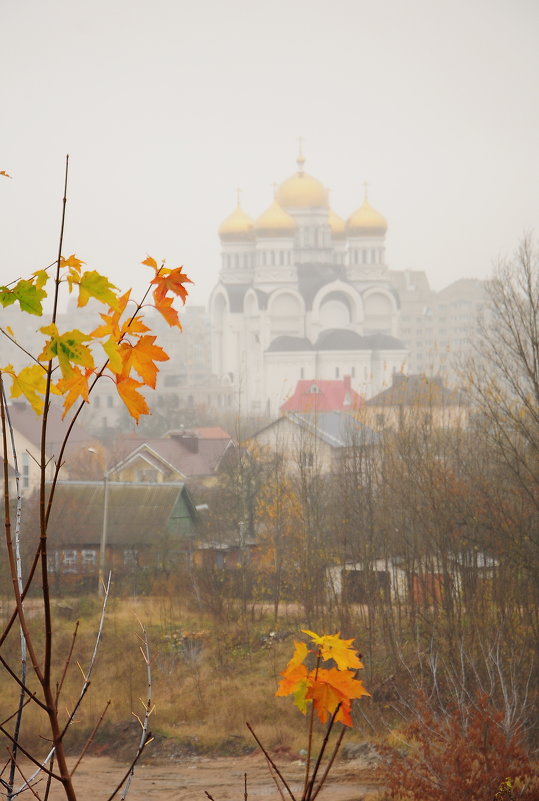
<point x="314" y="395"/>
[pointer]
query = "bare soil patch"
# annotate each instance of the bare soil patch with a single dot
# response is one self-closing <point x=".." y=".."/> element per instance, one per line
<point x="186" y="779"/>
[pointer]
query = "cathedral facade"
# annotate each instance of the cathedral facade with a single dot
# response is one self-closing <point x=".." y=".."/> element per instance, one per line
<point x="303" y="294"/>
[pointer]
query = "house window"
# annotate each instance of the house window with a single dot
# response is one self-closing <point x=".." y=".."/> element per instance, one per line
<point x="53" y="562"/>
<point x="130" y="557"/>
<point x="301" y="372"/>
<point x="307" y="458"/>
<point x="110" y="401"/>
<point x="336" y="372"/>
<point x="147" y="474"/>
<point x="68" y="561"/>
<point x="97" y="402"/>
<point x="314" y="389"/>
<point x="88" y="559"/>
<point x="380" y="420"/>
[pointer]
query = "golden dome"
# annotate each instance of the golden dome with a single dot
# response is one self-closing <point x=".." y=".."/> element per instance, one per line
<point x="275" y="221"/>
<point x="302" y="191"/>
<point x="366" y="221"/>
<point x="336" y="224"/>
<point x="237" y="225"/>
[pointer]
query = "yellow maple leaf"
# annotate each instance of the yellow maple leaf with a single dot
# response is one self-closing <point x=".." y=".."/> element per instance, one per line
<point x="134" y="401"/>
<point x="332" y="646"/>
<point x="5" y="174"/>
<point x="72" y="262"/>
<point x="112" y="349"/>
<point x="31" y="382"/>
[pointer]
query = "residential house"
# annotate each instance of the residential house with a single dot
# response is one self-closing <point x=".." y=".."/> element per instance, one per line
<point x="415" y="400"/>
<point x="320" y="441"/>
<point x="181" y="455"/>
<point x="145" y="525"/>
<point x="26" y="426"/>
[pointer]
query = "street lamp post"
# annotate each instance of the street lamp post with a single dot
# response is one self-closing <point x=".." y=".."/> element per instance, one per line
<point x="103" y="544"/>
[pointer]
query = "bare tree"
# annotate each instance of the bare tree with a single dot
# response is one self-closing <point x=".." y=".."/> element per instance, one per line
<point x="504" y="381"/>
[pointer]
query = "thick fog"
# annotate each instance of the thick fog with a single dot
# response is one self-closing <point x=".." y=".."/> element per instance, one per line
<point x="166" y="107"/>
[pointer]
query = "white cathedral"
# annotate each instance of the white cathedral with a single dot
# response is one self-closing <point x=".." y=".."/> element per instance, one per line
<point x="303" y="294"/>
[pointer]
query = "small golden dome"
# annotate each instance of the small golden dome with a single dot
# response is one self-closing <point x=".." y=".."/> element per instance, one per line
<point x="275" y="221"/>
<point x="366" y="221"/>
<point x="337" y="224"/>
<point x="237" y="225"/>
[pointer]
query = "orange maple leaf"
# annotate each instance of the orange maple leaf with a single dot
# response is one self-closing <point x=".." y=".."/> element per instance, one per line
<point x="329" y="688"/>
<point x="141" y="357"/>
<point x="128" y="391"/>
<point x="115" y="328"/>
<point x="166" y="309"/>
<point x="295" y="672"/>
<point x="73" y="262"/>
<point x="5" y="174"/>
<point x="170" y="281"/>
<point x="332" y="646"/>
<point x="149" y="262"/>
<point x="73" y="387"/>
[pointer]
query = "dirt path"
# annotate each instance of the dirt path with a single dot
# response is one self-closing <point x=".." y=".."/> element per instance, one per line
<point x="223" y="778"/>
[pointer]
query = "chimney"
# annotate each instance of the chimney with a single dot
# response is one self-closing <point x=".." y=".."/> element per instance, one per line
<point x="188" y="438"/>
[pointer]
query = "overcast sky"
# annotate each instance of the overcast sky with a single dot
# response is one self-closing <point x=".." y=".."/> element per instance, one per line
<point x="165" y="107"/>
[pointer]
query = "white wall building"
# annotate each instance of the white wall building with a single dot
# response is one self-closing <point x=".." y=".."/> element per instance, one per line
<point x="303" y="294"/>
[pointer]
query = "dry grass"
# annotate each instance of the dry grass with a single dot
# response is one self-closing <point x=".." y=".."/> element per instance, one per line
<point x="208" y="678"/>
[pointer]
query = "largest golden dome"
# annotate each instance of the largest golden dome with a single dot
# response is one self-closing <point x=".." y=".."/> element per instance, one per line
<point x="237" y="225"/>
<point x="275" y="222"/>
<point x="366" y="221"/>
<point x="301" y="191"/>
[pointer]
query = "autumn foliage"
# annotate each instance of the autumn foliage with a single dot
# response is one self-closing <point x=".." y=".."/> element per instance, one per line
<point x="459" y="754"/>
<point x="122" y="347"/>
<point x="331" y="690"/>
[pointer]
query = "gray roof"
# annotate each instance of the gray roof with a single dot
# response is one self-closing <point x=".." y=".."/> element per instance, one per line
<point x="417" y="390"/>
<point x="340" y="339"/>
<point x="337" y="429"/>
<point x="286" y="343"/>
<point x="381" y="341"/>
<point x="138" y="514"/>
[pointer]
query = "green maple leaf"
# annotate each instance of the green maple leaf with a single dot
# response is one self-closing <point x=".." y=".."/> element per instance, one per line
<point x="94" y="285"/>
<point x="68" y="348"/>
<point x="28" y="293"/>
